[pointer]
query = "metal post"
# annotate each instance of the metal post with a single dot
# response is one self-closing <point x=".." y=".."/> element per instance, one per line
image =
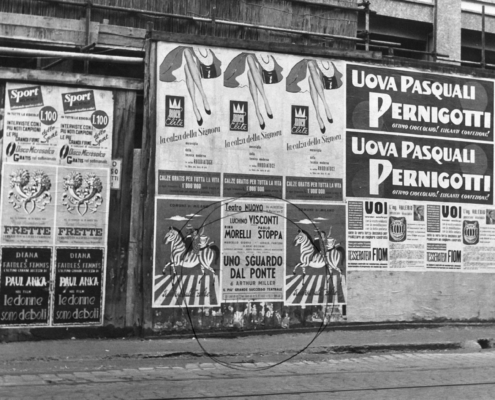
<point x="435" y="34"/>
<point x="88" y="32"/>
<point x="213" y="15"/>
<point x="483" y="43"/>
<point x="147" y="43"/>
<point x="367" y="25"/>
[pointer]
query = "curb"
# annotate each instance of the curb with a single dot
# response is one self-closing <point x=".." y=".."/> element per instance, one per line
<point x="356" y="326"/>
<point x="322" y="350"/>
<point x="396" y="347"/>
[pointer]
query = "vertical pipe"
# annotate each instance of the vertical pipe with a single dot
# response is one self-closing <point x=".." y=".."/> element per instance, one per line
<point x="435" y="33"/>
<point x="483" y="43"/>
<point x="88" y="32"/>
<point x="213" y="15"/>
<point x="367" y="26"/>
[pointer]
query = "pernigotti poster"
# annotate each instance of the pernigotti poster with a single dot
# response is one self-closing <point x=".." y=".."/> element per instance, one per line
<point x="57" y="152"/>
<point x="418" y="136"/>
<point x="419" y="170"/>
<point x="419" y="103"/>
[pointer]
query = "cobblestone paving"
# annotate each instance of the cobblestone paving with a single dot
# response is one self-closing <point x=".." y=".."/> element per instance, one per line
<point x="390" y="376"/>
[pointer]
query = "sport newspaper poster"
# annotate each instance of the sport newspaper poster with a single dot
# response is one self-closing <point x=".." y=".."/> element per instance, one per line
<point x="57" y="145"/>
<point x="419" y="171"/>
<point x="245" y="141"/>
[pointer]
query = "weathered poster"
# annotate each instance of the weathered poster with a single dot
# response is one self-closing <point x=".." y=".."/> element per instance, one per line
<point x="419" y="236"/>
<point x="188" y="183"/>
<point x="418" y="169"/>
<point x="240" y="185"/>
<point x="56" y="151"/>
<point x="32" y="130"/>
<point x="28" y="204"/>
<point x="187" y="253"/>
<point x="418" y="103"/>
<point x="368" y="234"/>
<point x="444" y="235"/>
<point x="49" y="124"/>
<point x="419" y="151"/>
<point x="315" y="248"/>
<point x="220" y="110"/>
<point x="82" y="208"/>
<point x="79" y="282"/>
<point x="314" y="133"/>
<point x="253" y="249"/>
<point x="24" y="286"/>
<point x="86" y="126"/>
<point x="400" y="235"/>
<point x="477" y="236"/>
<point x="406" y="234"/>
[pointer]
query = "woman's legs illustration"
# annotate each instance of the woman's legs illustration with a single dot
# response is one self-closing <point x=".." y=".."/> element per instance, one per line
<point x="314" y="97"/>
<point x="192" y="91"/>
<point x="257" y="82"/>
<point x="193" y="78"/>
<point x="254" y="95"/>
<point x="314" y="77"/>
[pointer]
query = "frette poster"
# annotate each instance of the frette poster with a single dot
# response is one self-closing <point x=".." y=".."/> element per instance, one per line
<point x="57" y="152"/>
<point x="28" y="204"/>
<point x="82" y="209"/>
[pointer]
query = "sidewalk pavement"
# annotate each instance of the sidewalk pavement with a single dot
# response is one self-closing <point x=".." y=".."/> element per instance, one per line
<point x="328" y="342"/>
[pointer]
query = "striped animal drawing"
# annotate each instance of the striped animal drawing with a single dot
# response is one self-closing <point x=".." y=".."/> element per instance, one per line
<point x="187" y="258"/>
<point x="193" y="291"/>
<point x="328" y="255"/>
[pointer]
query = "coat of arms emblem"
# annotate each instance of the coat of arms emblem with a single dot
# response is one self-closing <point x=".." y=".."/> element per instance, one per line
<point x="82" y="194"/>
<point x="29" y="192"/>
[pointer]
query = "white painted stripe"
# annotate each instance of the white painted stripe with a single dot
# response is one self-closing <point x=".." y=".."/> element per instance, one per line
<point x="292" y="296"/>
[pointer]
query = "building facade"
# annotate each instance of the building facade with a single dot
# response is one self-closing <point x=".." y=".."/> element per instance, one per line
<point x="171" y="166"/>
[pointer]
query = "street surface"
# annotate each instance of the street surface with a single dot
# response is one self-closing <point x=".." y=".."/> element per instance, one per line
<point x="337" y="365"/>
<point x="426" y="375"/>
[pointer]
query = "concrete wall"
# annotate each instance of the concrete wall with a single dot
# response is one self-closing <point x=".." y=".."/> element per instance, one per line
<point x="449" y="28"/>
<point x="414" y="11"/>
<point x="408" y="296"/>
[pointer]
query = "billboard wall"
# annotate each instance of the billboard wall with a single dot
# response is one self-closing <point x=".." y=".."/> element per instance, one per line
<point x="419" y="171"/>
<point x="250" y="153"/>
<point x="277" y="174"/>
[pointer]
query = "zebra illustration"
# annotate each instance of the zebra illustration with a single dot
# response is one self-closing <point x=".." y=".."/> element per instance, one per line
<point x="327" y="254"/>
<point x="189" y="258"/>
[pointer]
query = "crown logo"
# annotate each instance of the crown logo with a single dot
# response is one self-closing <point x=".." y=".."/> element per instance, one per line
<point x="174" y="104"/>
<point x="300" y="113"/>
<point x="238" y="109"/>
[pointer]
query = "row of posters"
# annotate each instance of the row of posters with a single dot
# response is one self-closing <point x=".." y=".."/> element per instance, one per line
<point x="419" y="156"/>
<point x="418" y="236"/>
<point x="393" y="167"/>
<point x="57" y="145"/>
<point x="248" y="249"/>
